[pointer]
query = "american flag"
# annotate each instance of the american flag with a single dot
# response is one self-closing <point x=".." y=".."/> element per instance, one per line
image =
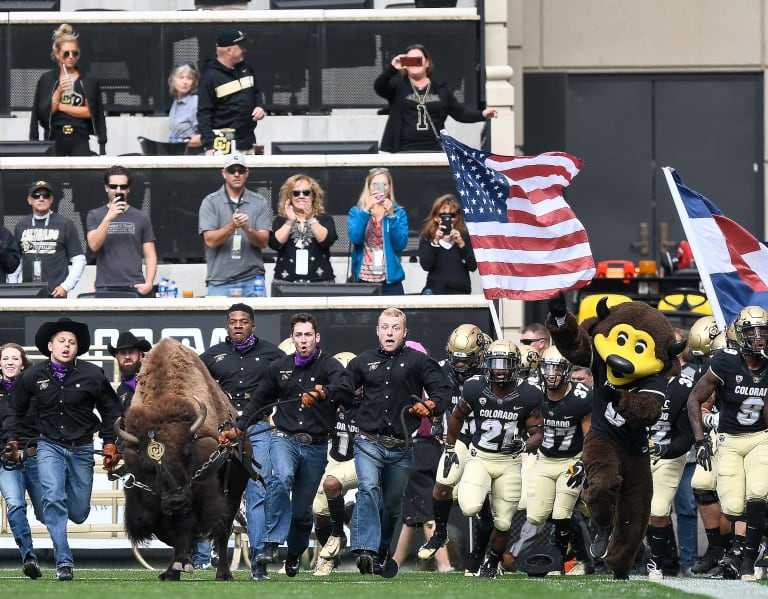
<point x="527" y="241"/>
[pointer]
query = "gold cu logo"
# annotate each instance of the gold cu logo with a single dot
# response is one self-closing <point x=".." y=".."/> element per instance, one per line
<point x="67" y="130"/>
<point x="222" y="144"/>
<point x="156" y="451"/>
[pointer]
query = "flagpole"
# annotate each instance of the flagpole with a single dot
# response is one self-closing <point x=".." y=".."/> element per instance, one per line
<point x="495" y="319"/>
<point x="698" y="253"/>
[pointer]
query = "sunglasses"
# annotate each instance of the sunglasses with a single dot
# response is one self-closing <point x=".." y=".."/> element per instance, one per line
<point x="447" y="214"/>
<point x="46" y="195"/>
<point x="118" y="186"/>
<point x="301" y="192"/>
<point x="530" y="341"/>
<point x="71" y="53"/>
<point x="236" y="170"/>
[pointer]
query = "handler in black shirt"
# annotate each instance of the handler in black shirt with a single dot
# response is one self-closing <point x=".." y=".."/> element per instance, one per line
<point x="65" y="391"/>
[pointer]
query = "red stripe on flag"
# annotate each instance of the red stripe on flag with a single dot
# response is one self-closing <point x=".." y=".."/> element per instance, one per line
<point x="555" y="217"/>
<point x="739" y="242"/>
<point x="530" y="271"/>
<point x="491" y="242"/>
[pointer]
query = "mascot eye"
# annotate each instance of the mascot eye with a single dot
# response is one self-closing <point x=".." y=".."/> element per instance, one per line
<point x="640" y="347"/>
<point x="621" y="339"/>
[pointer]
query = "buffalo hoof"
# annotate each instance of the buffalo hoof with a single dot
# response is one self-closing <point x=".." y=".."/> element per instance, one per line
<point x="176" y="567"/>
<point x="173" y="575"/>
<point x="224" y="576"/>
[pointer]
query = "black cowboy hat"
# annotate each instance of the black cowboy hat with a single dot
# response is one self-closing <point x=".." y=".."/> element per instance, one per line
<point x="48" y="329"/>
<point x="540" y="560"/>
<point x="128" y="340"/>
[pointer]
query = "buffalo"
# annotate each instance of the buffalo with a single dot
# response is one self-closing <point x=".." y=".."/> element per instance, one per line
<point x="178" y="486"/>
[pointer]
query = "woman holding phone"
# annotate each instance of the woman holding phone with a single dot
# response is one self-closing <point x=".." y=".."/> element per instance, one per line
<point x="378" y="232"/>
<point x="445" y="250"/>
<point x="67" y="104"/>
<point x="418" y="105"/>
<point x="302" y="233"/>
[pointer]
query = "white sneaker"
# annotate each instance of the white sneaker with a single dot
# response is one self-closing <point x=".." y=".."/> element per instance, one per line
<point x="578" y="569"/>
<point x="654" y="574"/>
<point x="324" y="567"/>
<point x="331" y="548"/>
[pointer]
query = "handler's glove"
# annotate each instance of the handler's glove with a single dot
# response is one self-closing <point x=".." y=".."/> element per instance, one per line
<point x="423" y="408"/>
<point x="710" y="420"/>
<point x="557" y="306"/>
<point x="11" y="452"/>
<point x="449" y="460"/>
<point x="111" y="457"/>
<point x="310" y="397"/>
<point x="515" y="447"/>
<point x="228" y="437"/>
<point x="576" y="471"/>
<point x="657" y="450"/>
<point x="704" y="453"/>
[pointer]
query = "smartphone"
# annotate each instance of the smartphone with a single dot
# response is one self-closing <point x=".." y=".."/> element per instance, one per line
<point x="119" y="197"/>
<point x="410" y="61"/>
<point x="445" y="224"/>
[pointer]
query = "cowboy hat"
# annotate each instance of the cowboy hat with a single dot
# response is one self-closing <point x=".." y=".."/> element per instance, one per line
<point x="128" y="340"/>
<point x="48" y="329"/>
<point x="538" y="561"/>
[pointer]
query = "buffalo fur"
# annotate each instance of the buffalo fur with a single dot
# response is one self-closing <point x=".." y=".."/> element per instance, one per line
<point x="618" y="484"/>
<point x="163" y="410"/>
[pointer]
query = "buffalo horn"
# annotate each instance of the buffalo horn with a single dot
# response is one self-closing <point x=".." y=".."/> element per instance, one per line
<point x="201" y="418"/>
<point x="125" y="435"/>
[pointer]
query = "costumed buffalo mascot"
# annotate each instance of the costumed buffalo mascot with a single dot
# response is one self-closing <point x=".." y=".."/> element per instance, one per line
<point x="631" y="349"/>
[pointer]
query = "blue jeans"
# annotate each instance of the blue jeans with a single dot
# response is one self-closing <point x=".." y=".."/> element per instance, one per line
<point x="224" y="289"/>
<point x="380" y="493"/>
<point x="687" y="519"/>
<point x="255" y="492"/>
<point x="66" y="481"/>
<point x="296" y="473"/>
<point x="12" y="486"/>
<point x="201" y="553"/>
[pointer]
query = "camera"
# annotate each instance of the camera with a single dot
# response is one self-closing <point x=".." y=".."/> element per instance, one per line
<point x="445" y="224"/>
<point x="379" y="186"/>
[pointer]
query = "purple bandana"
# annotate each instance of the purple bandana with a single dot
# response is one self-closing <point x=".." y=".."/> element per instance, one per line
<point x="8" y="383"/>
<point x="131" y="382"/>
<point x="59" y="371"/>
<point x="299" y="361"/>
<point x="248" y="344"/>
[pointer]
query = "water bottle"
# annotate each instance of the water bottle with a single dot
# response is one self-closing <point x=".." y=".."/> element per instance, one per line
<point x="162" y="287"/>
<point x="260" y="287"/>
<point x="173" y="290"/>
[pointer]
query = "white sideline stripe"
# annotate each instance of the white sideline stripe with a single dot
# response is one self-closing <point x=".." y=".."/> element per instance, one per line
<point x="719" y="589"/>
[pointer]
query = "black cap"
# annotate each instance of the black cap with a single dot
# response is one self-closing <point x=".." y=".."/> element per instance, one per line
<point x="231" y="37"/>
<point x="39" y="185"/>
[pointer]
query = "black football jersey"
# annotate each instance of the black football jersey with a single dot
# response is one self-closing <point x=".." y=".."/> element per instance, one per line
<point x="343" y="437"/>
<point x="499" y="419"/>
<point x="563" y="435"/>
<point x="741" y="394"/>
<point x="673" y="428"/>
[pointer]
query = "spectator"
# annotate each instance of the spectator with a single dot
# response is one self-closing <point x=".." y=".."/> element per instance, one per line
<point x="182" y="118"/>
<point x="393" y="377"/>
<point x="308" y="387"/>
<point x="10" y="253"/>
<point x="445" y="250"/>
<point x="227" y="216"/>
<point x="378" y="232"/>
<point x="302" y="233"/>
<point x="65" y="423"/>
<point x="582" y="374"/>
<point x="121" y="237"/>
<point x="67" y="103"/>
<point x="229" y="97"/>
<point x="236" y="364"/>
<point x="128" y="352"/>
<point x="49" y="244"/>
<point x="14" y="482"/>
<point x="418" y="106"/>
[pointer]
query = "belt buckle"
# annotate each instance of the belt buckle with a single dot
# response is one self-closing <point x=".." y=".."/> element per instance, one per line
<point x="303" y="438"/>
<point x="389" y="442"/>
<point x="67" y="129"/>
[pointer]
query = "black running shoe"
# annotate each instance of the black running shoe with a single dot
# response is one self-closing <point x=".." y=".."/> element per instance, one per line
<point x="599" y="546"/>
<point x="291" y="564"/>
<point x="31" y="568"/>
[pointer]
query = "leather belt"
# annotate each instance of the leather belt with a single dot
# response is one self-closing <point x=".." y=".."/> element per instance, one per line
<point x="386" y="440"/>
<point x="76" y="442"/>
<point x="303" y="438"/>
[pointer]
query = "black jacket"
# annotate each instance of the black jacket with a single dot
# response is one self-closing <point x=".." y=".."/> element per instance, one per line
<point x="41" y="107"/>
<point x="10" y="252"/>
<point x="228" y="109"/>
<point x="394" y="87"/>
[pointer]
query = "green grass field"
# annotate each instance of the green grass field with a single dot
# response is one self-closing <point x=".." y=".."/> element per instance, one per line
<point x="100" y="584"/>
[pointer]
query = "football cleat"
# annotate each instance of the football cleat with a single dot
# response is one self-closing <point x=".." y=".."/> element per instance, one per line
<point x="324" y="567"/>
<point x="439" y="539"/>
<point x="707" y="562"/>
<point x="487" y="570"/>
<point x="331" y="548"/>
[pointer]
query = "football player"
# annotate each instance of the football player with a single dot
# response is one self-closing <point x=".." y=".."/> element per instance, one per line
<point x="670" y="440"/>
<point x="740" y="381"/>
<point x="340" y="476"/>
<point x="566" y="412"/>
<point x="465" y="358"/>
<point x="508" y="423"/>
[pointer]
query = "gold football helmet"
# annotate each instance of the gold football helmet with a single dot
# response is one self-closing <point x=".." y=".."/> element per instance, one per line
<point x="701" y="336"/>
<point x="345" y="357"/>
<point x="751" y="324"/>
<point x="554" y="369"/>
<point x="529" y="362"/>
<point x="287" y="346"/>
<point x="502" y="362"/>
<point x="466" y="348"/>
<point x="730" y="336"/>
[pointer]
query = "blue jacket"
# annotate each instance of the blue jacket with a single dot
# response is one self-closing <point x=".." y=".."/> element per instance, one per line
<point x="395" y="236"/>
